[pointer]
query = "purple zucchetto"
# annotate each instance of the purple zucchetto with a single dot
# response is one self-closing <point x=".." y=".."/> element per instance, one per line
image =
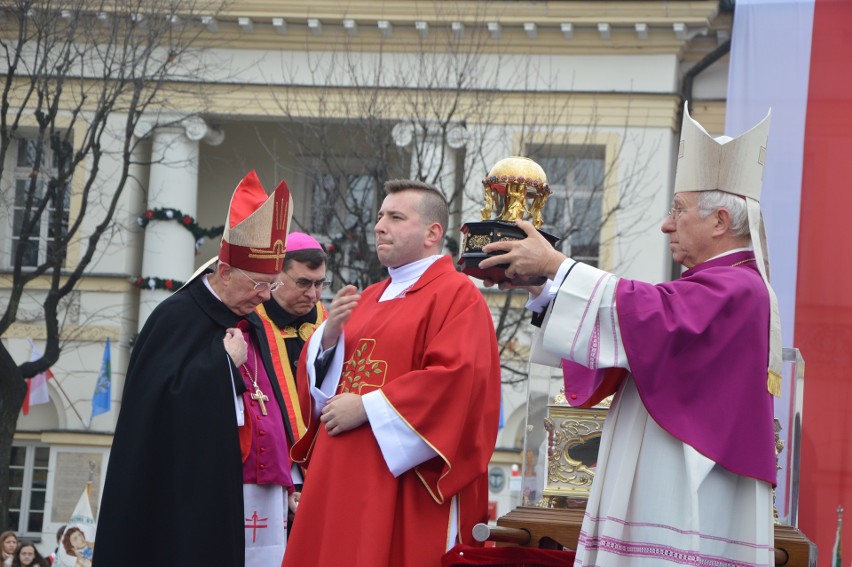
<point x="301" y="241"/>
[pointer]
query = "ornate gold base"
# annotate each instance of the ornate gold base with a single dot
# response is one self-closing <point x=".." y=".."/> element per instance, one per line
<point x="477" y="235"/>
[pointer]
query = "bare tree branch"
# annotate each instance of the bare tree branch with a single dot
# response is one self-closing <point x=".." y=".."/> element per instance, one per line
<point x="74" y="97"/>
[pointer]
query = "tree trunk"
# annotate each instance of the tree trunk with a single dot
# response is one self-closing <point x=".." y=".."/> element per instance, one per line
<point x="13" y="388"/>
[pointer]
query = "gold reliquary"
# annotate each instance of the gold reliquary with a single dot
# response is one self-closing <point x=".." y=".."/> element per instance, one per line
<point x="515" y="188"/>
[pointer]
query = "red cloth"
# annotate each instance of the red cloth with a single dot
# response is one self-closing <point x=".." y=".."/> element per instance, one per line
<point x="248" y="197"/>
<point x="433" y="355"/>
<point x="462" y="555"/>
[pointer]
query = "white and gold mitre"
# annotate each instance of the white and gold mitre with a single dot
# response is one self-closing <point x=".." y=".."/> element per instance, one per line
<point x="732" y="165"/>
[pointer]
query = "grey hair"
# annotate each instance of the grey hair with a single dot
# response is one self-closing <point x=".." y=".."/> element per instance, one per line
<point x="709" y="201"/>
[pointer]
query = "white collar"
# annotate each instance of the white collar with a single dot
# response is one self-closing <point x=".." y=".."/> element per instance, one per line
<point x="403" y="277"/>
<point x="210" y="287"/>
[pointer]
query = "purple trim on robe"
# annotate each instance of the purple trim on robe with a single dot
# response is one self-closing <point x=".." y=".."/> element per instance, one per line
<point x="268" y="462"/>
<point x="713" y="398"/>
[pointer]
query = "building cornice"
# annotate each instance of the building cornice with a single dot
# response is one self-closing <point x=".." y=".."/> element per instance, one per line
<point x="408" y="25"/>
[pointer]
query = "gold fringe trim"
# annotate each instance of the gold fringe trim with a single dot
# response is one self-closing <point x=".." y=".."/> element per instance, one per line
<point x="773" y="384"/>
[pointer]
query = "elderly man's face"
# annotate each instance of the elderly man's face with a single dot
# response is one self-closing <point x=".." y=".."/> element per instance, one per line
<point x="690" y="236"/>
<point x="243" y="290"/>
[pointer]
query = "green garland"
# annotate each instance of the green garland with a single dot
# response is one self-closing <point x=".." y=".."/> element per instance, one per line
<point x="152" y="283"/>
<point x="186" y="221"/>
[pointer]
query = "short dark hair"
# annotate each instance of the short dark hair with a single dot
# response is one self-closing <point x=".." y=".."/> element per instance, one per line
<point x="433" y="205"/>
<point x="312" y="257"/>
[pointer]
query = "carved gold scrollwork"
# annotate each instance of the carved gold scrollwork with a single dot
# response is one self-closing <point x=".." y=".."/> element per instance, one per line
<point x="573" y="435"/>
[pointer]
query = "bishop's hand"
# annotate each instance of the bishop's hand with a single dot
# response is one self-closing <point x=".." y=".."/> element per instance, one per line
<point x="235" y="346"/>
<point x="528" y="258"/>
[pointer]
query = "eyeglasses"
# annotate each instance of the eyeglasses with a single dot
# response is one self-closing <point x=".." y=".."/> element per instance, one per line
<point x="675" y="212"/>
<point x="305" y="284"/>
<point x="261" y="286"/>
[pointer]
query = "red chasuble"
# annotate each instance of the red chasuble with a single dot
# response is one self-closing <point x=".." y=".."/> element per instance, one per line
<point x="432" y="353"/>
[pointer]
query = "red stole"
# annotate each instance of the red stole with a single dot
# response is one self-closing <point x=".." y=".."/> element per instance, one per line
<point x="281" y="363"/>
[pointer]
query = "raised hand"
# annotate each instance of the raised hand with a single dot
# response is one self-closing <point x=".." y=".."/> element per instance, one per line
<point x="340" y="311"/>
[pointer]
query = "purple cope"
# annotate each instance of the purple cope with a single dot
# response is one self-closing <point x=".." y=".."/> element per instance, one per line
<point x="698" y="349"/>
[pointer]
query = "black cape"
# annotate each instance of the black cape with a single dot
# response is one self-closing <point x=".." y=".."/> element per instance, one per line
<point x="174" y="482"/>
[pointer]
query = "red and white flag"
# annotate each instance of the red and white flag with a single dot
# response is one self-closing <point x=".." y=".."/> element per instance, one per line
<point x="37" y="392"/>
<point x="796" y="57"/>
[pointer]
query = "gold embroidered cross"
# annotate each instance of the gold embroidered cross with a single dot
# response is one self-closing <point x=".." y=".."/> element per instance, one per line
<point x="361" y="370"/>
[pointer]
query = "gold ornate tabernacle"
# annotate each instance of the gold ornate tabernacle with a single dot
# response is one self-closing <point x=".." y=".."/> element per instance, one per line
<point x="515" y="188"/>
<point x="573" y="438"/>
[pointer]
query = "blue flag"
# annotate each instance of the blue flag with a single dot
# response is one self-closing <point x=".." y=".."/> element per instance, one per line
<point x="103" y="389"/>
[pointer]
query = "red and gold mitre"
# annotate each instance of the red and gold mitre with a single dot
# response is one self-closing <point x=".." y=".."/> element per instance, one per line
<point x="255" y="236"/>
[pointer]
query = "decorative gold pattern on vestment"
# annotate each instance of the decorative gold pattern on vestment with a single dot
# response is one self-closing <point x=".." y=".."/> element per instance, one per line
<point x="361" y="371"/>
<point x="741" y="262"/>
<point x="304" y="331"/>
<point x="773" y="383"/>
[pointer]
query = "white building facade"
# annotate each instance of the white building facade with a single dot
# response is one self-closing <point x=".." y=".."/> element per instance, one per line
<point x="303" y="92"/>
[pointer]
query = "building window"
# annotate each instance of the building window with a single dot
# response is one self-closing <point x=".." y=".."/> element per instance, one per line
<point x="36" y="167"/>
<point x="343" y="203"/>
<point x="575" y="210"/>
<point x="344" y="210"/>
<point x="28" y="488"/>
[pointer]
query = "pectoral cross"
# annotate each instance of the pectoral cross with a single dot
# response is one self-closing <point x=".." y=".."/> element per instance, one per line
<point x="261" y="398"/>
